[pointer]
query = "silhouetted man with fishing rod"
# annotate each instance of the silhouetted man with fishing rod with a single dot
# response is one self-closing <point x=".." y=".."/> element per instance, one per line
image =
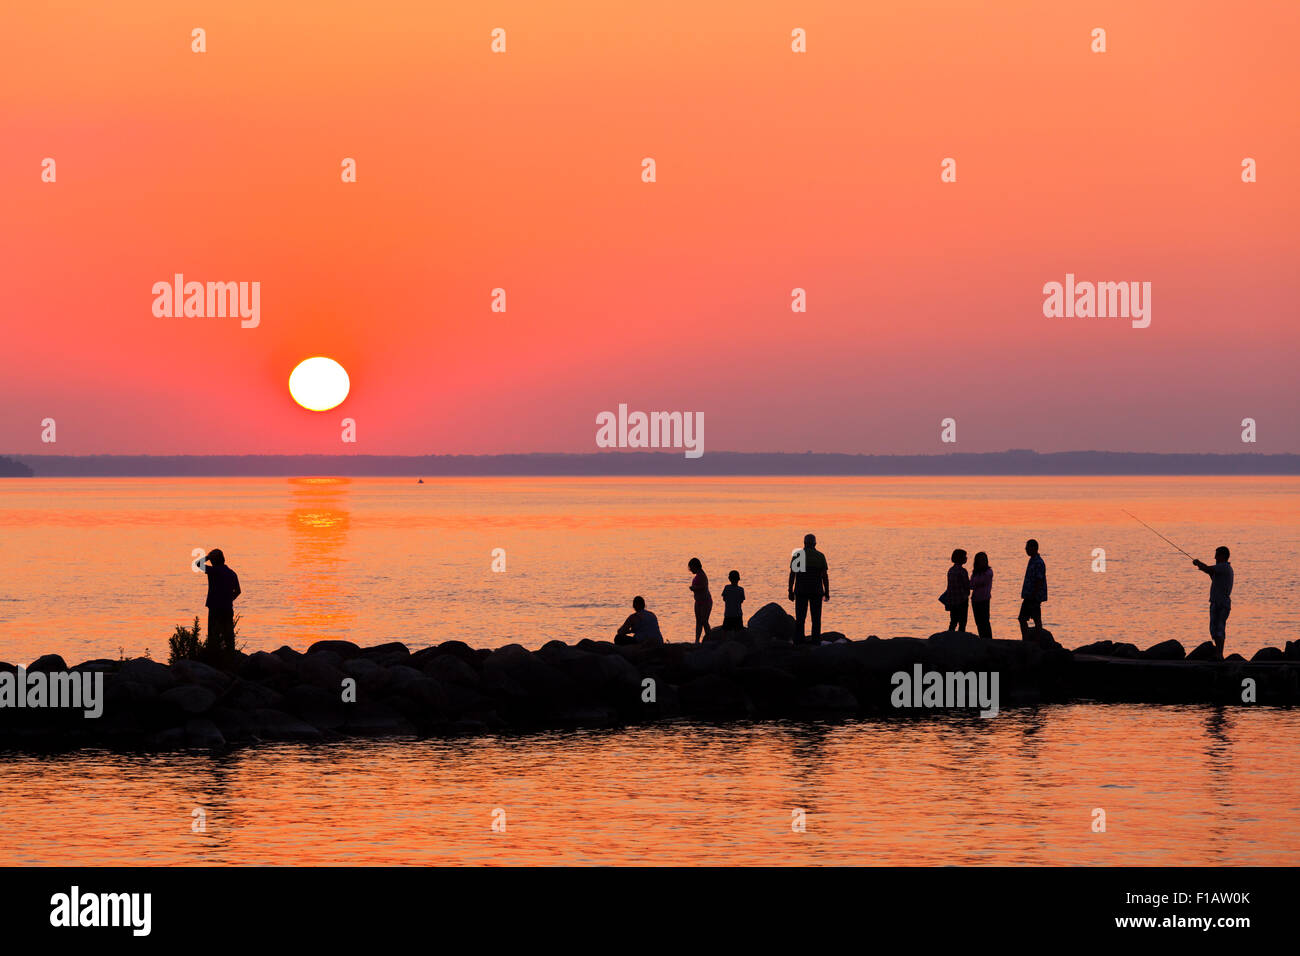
<point x="1220" y="585"/>
<point x="1220" y="595"/>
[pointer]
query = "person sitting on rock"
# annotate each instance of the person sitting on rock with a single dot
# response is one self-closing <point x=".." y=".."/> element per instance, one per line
<point x="955" y="597"/>
<point x="733" y="596"/>
<point x="1220" y="595"/>
<point x="641" y="626"/>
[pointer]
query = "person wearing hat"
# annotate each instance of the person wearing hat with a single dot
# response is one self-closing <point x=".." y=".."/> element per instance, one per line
<point x="223" y="588"/>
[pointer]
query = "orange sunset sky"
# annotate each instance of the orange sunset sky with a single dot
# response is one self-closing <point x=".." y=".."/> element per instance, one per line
<point x="775" y="170"/>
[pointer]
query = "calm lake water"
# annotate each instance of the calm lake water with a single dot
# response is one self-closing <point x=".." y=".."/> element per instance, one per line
<point x="91" y="566"/>
<point x="1196" y="785"/>
<point x="88" y="566"/>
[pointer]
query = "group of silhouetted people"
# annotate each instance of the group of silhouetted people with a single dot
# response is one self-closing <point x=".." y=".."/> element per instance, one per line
<point x="733" y="597"/>
<point x="808" y="587"/>
<point x="966" y="594"/>
<point x="976" y="592"/>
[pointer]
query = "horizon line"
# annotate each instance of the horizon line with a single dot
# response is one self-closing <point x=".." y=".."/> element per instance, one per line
<point x="645" y="463"/>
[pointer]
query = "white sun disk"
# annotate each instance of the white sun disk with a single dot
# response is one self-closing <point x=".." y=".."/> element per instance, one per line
<point x="319" y="383"/>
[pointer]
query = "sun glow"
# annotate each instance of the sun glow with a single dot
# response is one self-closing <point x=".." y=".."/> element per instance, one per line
<point x="319" y="383"/>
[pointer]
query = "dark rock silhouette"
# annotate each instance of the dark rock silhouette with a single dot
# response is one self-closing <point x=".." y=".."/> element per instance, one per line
<point x="1164" y="651"/>
<point x="1205" y="651"/>
<point x="453" y="689"/>
<point x="773" y="622"/>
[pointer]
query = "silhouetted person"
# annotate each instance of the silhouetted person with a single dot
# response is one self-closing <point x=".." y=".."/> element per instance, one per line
<point x="809" y="585"/>
<point x="1220" y="596"/>
<point x="733" y="596"/>
<point x="703" y="599"/>
<point x="641" y="626"/>
<point x="223" y="588"/>
<point x="981" y="593"/>
<point x="1033" y="592"/>
<point x="955" y="597"/>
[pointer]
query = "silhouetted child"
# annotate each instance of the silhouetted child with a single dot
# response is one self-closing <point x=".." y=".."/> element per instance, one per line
<point x="981" y="592"/>
<point x="1220" y="596"/>
<point x="703" y="599"/>
<point x="733" y="596"/>
<point x="1033" y="592"/>
<point x="955" y="598"/>
<point x="641" y="626"/>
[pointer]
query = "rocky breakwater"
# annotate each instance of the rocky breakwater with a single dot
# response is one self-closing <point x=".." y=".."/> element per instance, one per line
<point x="337" y="689"/>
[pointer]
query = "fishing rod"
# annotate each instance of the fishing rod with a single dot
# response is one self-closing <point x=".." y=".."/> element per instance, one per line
<point x="1156" y="533"/>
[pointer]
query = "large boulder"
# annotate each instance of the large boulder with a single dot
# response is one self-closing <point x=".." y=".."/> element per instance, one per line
<point x="1169" y="650"/>
<point x="448" y="668"/>
<point x="1096" y="648"/>
<point x="320" y="708"/>
<point x="323" y="670"/>
<point x="394" y="652"/>
<point x="189" y="698"/>
<point x="100" y="665"/>
<point x="197" y="672"/>
<point x="287" y="654"/>
<point x="233" y="724"/>
<point x="48" y="662"/>
<point x="463" y="651"/>
<point x="406" y="683"/>
<point x="1205" y="651"/>
<point x="371" y="718"/>
<point x="1042" y="637"/>
<point x="201" y="732"/>
<point x="344" y="649"/>
<point x="713" y="696"/>
<point x="277" y="725"/>
<point x="826" y="699"/>
<point x="371" y="678"/>
<point x="515" y="664"/>
<point x="773" y="622"/>
<point x="773" y="691"/>
<point x="1267" y="655"/>
<point x="264" y="666"/>
<point x="141" y="670"/>
<point x="249" y="696"/>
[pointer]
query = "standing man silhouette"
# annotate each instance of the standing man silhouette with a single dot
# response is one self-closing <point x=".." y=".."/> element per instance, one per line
<point x="223" y="588"/>
<point x="1220" y="573"/>
<point x="1033" y="592"/>
<point x="809" y="585"/>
